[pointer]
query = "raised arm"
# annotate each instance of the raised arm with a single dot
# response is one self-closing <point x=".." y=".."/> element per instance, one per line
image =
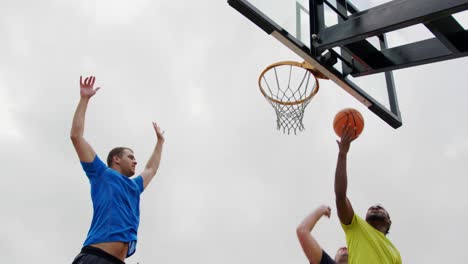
<point x="343" y="205"/>
<point x="310" y="246"/>
<point x="153" y="163"/>
<point x="83" y="149"/>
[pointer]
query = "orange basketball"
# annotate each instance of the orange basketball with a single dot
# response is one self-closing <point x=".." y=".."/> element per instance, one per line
<point x="348" y="117"/>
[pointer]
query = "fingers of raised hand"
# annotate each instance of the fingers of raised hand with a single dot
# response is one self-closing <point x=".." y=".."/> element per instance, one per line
<point x="86" y="86"/>
<point x="88" y="81"/>
<point x="345" y="130"/>
<point x="348" y="132"/>
<point x="158" y="130"/>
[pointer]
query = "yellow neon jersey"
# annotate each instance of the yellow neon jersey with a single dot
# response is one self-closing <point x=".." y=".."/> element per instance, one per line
<point x="367" y="245"/>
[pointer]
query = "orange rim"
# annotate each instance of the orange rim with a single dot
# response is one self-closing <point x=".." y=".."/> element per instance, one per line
<point x="303" y="65"/>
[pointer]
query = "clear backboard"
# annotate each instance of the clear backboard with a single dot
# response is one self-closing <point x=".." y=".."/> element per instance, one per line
<point x="357" y="44"/>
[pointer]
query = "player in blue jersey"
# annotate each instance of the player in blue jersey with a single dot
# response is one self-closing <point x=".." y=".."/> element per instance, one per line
<point x="115" y="193"/>
<point x="314" y="253"/>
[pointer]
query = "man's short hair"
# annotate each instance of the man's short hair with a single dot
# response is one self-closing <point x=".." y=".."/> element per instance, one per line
<point x="115" y="152"/>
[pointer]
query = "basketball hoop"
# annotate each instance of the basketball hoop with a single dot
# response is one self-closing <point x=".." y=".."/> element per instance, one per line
<point x="289" y="86"/>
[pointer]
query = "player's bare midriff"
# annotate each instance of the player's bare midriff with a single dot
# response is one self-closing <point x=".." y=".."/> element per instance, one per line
<point x="116" y="249"/>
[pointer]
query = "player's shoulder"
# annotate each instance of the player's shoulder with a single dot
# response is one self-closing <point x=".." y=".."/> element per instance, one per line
<point x="326" y="259"/>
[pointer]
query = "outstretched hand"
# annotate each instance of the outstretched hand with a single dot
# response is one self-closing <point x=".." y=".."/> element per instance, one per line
<point x="159" y="132"/>
<point x="346" y="138"/>
<point x="87" y="89"/>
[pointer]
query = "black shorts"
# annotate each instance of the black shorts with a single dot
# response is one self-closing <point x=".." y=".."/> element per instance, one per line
<point x="93" y="255"/>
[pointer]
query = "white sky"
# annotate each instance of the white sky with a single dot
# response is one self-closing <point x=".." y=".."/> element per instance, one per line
<point x="231" y="188"/>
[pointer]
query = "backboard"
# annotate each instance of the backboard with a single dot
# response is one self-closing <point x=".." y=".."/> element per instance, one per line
<point x="357" y="44"/>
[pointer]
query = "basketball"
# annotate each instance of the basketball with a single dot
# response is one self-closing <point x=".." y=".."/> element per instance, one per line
<point x="348" y="117"/>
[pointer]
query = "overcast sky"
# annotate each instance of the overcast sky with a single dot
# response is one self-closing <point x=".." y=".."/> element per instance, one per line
<point x="231" y="188"/>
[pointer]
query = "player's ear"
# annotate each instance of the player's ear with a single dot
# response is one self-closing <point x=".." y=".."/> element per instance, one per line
<point x="116" y="159"/>
<point x="389" y="225"/>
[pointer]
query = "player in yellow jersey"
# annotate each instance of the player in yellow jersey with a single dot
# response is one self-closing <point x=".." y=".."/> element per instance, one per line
<point x="366" y="239"/>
